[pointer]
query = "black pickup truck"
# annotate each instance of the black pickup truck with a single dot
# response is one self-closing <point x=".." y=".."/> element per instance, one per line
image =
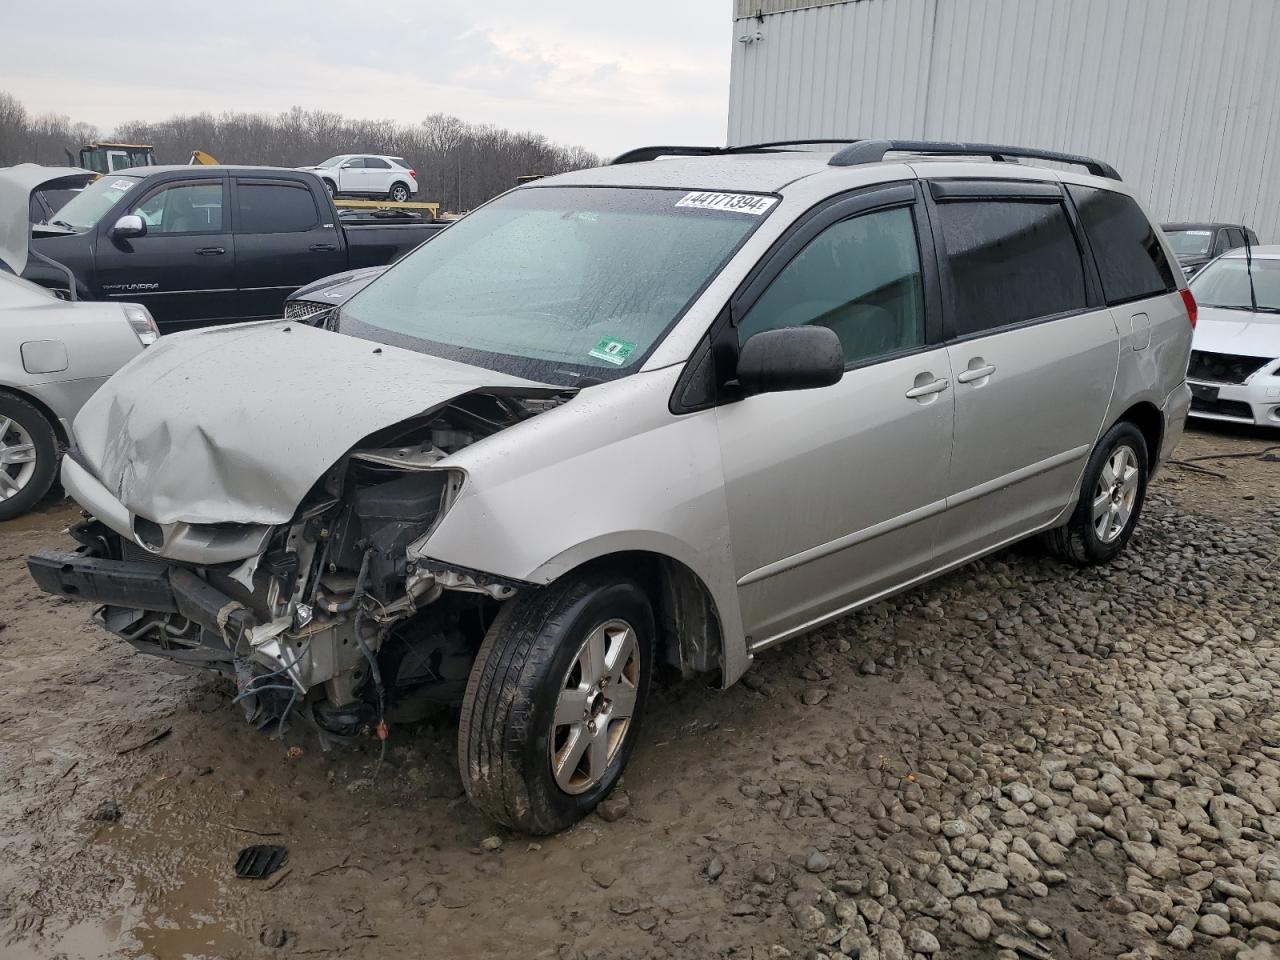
<point x="200" y="245"/>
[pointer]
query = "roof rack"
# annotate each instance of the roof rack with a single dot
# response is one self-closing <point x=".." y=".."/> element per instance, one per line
<point x="855" y="152"/>
<point x="642" y="154"/>
<point x="873" y="151"/>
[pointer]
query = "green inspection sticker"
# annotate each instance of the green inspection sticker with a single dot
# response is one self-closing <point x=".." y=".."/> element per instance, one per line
<point x="613" y="351"/>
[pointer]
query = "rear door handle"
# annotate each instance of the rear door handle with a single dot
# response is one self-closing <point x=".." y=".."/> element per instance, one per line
<point x="927" y="389"/>
<point x="322" y="247"/>
<point x="976" y="373"/>
<point x="210" y="251"/>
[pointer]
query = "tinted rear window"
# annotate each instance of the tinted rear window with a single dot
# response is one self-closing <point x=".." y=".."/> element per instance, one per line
<point x="1010" y="261"/>
<point x="1130" y="259"/>
<point x="276" y="208"/>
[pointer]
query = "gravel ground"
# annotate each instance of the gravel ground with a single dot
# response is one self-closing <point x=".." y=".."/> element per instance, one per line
<point x="1017" y="760"/>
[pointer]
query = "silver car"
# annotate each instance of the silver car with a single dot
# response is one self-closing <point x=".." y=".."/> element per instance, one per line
<point x="1235" y="355"/>
<point x="53" y="353"/>
<point x="673" y="410"/>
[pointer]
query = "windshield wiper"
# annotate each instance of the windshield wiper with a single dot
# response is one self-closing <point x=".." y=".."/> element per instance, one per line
<point x="61" y="223"/>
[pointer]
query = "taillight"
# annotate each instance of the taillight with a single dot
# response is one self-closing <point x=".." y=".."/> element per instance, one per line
<point x="1189" y="301"/>
<point x="144" y="326"/>
<point x="413" y="174"/>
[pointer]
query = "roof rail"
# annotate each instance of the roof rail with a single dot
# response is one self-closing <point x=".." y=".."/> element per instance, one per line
<point x="642" y="154"/>
<point x="873" y="151"/>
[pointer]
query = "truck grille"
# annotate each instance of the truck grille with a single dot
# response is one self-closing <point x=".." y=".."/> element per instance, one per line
<point x="305" y="311"/>
<point x="1224" y="367"/>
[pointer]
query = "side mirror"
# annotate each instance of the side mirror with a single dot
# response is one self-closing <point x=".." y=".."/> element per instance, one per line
<point x="792" y="358"/>
<point x="129" y="226"/>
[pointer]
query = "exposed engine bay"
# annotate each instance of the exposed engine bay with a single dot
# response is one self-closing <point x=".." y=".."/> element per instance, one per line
<point x="337" y="620"/>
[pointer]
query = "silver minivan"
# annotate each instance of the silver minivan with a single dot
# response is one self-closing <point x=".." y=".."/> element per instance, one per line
<point x="672" y="410"/>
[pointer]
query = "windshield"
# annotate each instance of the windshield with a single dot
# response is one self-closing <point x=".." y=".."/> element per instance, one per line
<point x="88" y="206"/>
<point x="331" y="162"/>
<point x="557" y="284"/>
<point x="1190" y="243"/>
<point x="1225" y="283"/>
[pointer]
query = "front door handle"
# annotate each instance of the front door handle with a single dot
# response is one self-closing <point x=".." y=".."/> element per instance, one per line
<point x="977" y="373"/>
<point x="927" y="389"/>
<point x="210" y="251"/>
<point x="322" y="247"/>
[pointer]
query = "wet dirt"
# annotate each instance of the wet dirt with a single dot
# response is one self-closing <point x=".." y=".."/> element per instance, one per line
<point x="387" y="860"/>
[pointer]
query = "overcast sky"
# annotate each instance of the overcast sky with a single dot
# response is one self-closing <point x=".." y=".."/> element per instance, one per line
<point x="604" y="75"/>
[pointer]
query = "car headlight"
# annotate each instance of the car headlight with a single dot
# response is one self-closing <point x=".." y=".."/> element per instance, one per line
<point x="143" y="324"/>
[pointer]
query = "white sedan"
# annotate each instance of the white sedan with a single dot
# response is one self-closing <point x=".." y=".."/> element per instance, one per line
<point x="367" y="175"/>
<point x="1235" y="357"/>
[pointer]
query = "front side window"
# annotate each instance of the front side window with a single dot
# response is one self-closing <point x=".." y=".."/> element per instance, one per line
<point x="355" y="163"/>
<point x="1127" y="250"/>
<point x="859" y="277"/>
<point x="1010" y="261"/>
<point x="557" y="284"/>
<point x="275" y="208"/>
<point x="183" y="208"/>
<point x="1225" y="283"/>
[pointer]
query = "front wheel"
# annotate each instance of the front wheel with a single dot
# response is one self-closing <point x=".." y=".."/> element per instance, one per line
<point x="554" y="702"/>
<point x="1111" y="497"/>
<point x="331" y="188"/>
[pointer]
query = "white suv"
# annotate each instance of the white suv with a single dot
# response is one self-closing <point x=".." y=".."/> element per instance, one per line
<point x="352" y="174"/>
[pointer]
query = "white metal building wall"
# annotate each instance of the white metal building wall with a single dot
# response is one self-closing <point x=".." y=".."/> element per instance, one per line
<point x="1181" y="96"/>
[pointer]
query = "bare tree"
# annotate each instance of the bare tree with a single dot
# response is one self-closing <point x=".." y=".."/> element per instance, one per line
<point x="458" y="164"/>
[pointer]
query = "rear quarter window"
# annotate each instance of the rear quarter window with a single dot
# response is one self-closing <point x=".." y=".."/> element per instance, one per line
<point x="1131" y="262"/>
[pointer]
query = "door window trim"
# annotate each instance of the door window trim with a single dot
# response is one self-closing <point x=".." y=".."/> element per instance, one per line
<point x="221" y="182"/>
<point x="717" y="353"/>
<point x="1018" y="191"/>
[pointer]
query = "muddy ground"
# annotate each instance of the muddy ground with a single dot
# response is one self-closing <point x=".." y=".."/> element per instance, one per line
<point x="1017" y="757"/>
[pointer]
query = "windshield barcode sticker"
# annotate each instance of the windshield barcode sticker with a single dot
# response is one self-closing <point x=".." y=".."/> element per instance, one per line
<point x="732" y="202"/>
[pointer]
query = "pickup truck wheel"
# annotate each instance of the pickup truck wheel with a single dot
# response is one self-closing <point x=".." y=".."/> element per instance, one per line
<point x="1111" y="496"/>
<point x="399" y="193"/>
<point x="554" y="701"/>
<point x="28" y="456"/>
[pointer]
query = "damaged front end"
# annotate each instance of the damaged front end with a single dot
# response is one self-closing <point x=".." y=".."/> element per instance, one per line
<point x="335" y="617"/>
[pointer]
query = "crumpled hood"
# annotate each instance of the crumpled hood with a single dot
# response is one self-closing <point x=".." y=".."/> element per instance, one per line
<point x="1237" y="331"/>
<point x="236" y="424"/>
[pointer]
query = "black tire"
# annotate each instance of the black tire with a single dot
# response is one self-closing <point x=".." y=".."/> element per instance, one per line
<point x="19" y="412"/>
<point x="331" y="187"/>
<point x="507" y="730"/>
<point x="1079" y="541"/>
<point x="399" y="193"/>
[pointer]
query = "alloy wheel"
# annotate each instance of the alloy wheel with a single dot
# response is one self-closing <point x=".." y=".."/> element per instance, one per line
<point x="594" y="707"/>
<point x="17" y="457"/>
<point x="1116" y="494"/>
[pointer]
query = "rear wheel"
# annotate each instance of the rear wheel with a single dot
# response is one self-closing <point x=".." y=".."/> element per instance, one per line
<point x="399" y="193"/>
<point x="554" y="701"/>
<point x="28" y="456"/>
<point x="1111" y="497"/>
